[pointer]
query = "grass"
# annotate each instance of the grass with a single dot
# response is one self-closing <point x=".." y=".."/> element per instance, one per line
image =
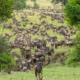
<point x="41" y="3"/>
<point x="49" y="73"/>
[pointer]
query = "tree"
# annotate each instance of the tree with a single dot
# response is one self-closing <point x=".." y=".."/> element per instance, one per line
<point x="6" y="9"/>
<point x="36" y="6"/>
<point x="19" y="4"/>
<point x="72" y="13"/>
<point x="58" y="1"/>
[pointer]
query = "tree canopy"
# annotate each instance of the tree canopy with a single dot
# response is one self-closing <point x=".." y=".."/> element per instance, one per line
<point x="6" y="9"/>
<point x="72" y="12"/>
<point x="36" y="6"/>
<point x="19" y="4"/>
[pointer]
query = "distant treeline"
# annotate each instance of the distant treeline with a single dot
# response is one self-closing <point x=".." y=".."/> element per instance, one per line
<point x="19" y="4"/>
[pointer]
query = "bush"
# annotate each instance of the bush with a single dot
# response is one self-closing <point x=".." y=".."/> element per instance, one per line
<point x="24" y="3"/>
<point x="36" y="6"/>
<point x="74" y="58"/>
<point x="19" y="4"/>
<point x="6" y="59"/>
<point x="72" y="12"/>
<point x="3" y="45"/>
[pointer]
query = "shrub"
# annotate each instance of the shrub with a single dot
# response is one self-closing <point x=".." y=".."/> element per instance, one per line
<point x="36" y="6"/>
<point x="6" y="59"/>
<point x="19" y="4"/>
<point x="72" y="13"/>
<point x="74" y="57"/>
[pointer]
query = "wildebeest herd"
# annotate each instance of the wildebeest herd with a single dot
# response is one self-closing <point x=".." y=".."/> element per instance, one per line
<point x="26" y="43"/>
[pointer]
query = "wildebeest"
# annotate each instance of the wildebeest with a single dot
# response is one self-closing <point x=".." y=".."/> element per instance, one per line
<point x="38" y="70"/>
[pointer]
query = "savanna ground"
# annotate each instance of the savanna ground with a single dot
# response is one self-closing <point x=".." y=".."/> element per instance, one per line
<point x="50" y="72"/>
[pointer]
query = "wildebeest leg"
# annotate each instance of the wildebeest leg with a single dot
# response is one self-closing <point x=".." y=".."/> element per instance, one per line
<point x="39" y="75"/>
<point x="36" y="75"/>
<point x="55" y="46"/>
<point x="33" y="64"/>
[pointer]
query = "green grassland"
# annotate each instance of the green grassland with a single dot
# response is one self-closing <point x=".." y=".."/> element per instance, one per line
<point x="43" y="3"/>
<point x="50" y="72"/>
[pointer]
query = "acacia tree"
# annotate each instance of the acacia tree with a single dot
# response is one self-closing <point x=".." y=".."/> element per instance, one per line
<point x="6" y="9"/>
<point x="72" y="13"/>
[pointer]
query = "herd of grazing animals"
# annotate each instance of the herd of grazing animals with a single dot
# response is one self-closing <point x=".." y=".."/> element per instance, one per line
<point x="26" y="43"/>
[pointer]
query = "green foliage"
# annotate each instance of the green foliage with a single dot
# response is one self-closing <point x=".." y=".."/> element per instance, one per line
<point x="77" y="46"/>
<point x="24" y="3"/>
<point x="3" y="45"/>
<point x="19" y="4"/>
<point x="33" y="0"/>
<point x="6" y="9"/>
<point x="36" y="6"/>
<point x="58" y="1"/>
<point x="6" y="59"/>
<point x="72" y="12"/>
<point x="74" y="58"/>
